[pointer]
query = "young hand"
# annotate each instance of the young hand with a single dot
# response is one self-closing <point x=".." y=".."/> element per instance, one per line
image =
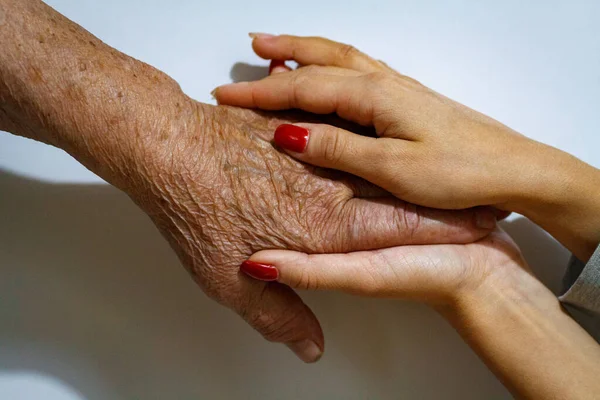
<point x="431" y="150"/>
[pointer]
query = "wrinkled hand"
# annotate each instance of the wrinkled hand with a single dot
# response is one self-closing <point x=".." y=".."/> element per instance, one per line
<point x="208" y="176"/>
<point x="219" y="191"/>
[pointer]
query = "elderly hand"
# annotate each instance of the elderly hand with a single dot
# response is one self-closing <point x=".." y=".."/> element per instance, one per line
<point x="207" y="176"/>
<point x="431" y="151"/>
<point x="218" y="191"/>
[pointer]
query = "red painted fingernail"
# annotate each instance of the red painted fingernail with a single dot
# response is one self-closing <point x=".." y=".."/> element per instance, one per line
<point x="262" y="272"/>
<point x="291" y="137"/>
<point x="276" y="64"/>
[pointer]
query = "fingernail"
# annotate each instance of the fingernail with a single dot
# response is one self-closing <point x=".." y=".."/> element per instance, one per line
<point x="262" y="272"/>
<point x="291" y="137"/>
<point x="276" y="64"/>
<point x="306" y="350"/>
<point x="256" y="35"/>
<point x="214" y="93"/>
<point x="485" y="219"/>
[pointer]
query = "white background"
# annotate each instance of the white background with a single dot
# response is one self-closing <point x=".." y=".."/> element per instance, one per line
<point x="93" y="304"/>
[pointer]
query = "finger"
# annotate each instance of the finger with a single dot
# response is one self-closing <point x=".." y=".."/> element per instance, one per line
<point x="279" y="315"/>
<point x="313" y="50"/>
<point x="351" y="97"/>
<point x="278" y="66"/>
<point x="331" y="147"/>
<point x="409" y="272"/>
<point x="375" y="223"/>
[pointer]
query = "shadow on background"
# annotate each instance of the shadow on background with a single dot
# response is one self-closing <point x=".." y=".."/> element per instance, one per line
<point x="547" y="258"/>
<point x="244" y="72"/>
<point x="92" y="295"/>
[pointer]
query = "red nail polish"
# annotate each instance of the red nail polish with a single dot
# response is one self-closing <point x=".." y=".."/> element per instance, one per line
<point x="262" y="272"/>
<point x="291" y="137"/>
<point x="276" y="63"/>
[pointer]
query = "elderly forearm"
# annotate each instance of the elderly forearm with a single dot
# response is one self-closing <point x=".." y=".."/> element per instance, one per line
<point x="61" y="85"/>
<point x="529" y="342"/>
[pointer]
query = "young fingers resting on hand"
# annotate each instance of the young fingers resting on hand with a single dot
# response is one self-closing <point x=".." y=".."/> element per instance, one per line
<point x="430" y="150"/>
<point x="423" y="135"/>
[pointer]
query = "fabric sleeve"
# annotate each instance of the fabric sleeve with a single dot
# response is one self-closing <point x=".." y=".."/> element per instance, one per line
<point x="581" y="292"/>
<point x="582" y="284"/>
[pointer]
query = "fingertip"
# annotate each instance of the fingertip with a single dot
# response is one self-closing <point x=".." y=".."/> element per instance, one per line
<point x="485" y="219"/>
<point x="260" y="271"/>
<point x="283" y="261"/>
<point x="233" y="94"/>
<point x="260" y="35"/>
<point x="470" y="225"/>
<point x="293" y="138"/>
<point x="306" y="350"/>
<point x="462" y="226"/>
<point x="280" y="315"/>
<point x="277" y="67"/>
<point x="268" y="46"/>
<point x="276" y="258"/>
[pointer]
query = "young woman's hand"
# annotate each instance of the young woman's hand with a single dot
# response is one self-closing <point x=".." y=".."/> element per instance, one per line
<point x="484" y="289"/>
<point x="438" y="275"/>
<point x="430" y="151"/>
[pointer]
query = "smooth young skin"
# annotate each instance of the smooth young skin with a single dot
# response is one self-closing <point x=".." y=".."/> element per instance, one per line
<point x="207" y="176"/>
<point x="484" y="289"/>
<point x="431" y="150"/>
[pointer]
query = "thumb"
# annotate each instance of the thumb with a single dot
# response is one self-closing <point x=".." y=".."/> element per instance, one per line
<point x="422" y="273"/>
<point x="331" y="147"/>
<point x="280" y="316"/>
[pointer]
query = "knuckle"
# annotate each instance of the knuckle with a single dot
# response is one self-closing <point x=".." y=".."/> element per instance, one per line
<point x="379" y="78"/>
<point x="374" y="284"/>
<point x="310" y="69"/>
<point x="275" y="328"/>
<point x="347" y="52"/>
<point x="305" y="281"/>
<point x="411" y="80"/>
<point x="384" y="154"/>
<point x="409" y="220"/>
<point x="297" y="82"/>
<point x="302" y="276"/>
<point x="333" y="146"/>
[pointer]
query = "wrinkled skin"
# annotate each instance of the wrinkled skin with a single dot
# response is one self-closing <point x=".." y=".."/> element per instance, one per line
<point x="224" y="193"/>
<point x="207" y="176"/>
